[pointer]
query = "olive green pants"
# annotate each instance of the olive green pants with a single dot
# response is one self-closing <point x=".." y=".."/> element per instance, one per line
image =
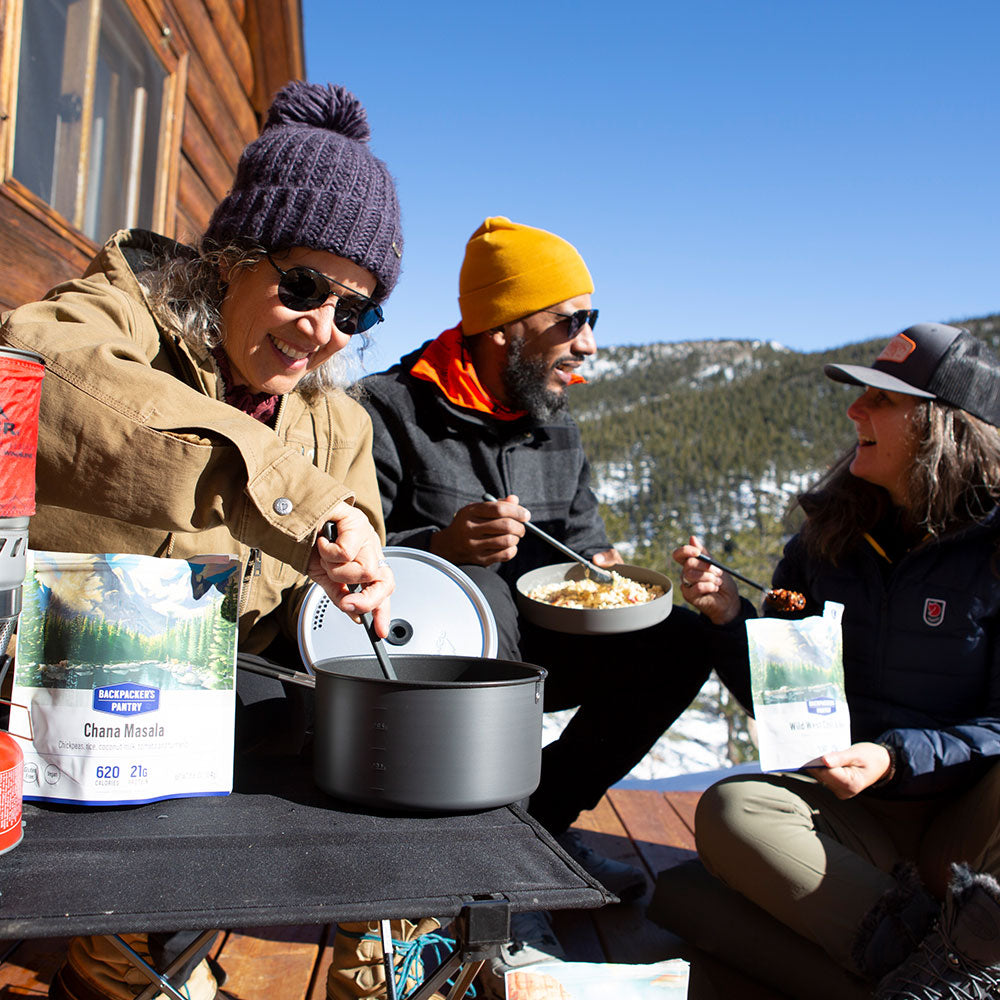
<point x="818" y="863"/>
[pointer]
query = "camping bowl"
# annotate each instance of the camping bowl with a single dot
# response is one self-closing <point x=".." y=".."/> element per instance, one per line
<point x="450" y="734"/>
<point x="593" y="621"/>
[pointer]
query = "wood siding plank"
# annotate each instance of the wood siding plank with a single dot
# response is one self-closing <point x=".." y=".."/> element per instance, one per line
<point x="34" y="256"/>
<point x="195" y="203"/>
<point x="225" y="86"/>
<point x="233" y="40"/>
<point x="274" y="30"/>
<point x="202" y="152"/>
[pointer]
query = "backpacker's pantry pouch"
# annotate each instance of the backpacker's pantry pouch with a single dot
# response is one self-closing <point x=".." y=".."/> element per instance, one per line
<point x="127" y="666"/>
<point x="797" y="682"/>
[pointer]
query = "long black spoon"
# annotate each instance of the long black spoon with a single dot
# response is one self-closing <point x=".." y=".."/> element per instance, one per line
<point x="600" y="575"/>
<point x="781" y="600"/>
<point x="330" y="534"/>
<point x="732" y="572"/>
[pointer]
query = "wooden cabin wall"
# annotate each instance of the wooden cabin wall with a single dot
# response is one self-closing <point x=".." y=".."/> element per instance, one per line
<point x="231" y="56"/>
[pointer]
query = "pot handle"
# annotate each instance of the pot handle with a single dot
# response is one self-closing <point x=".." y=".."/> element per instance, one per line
<point x="258" y="665"/>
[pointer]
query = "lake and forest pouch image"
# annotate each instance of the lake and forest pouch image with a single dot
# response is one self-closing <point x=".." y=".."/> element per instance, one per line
<point x="126" y="666"/>
<point x="797" y="682"/>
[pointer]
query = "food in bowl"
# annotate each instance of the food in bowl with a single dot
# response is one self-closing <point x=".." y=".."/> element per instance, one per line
<point x="621" y="592"/>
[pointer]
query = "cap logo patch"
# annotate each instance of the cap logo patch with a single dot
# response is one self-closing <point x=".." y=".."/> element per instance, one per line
<point x="934" y="611"/>
<point x="898" y="349"/>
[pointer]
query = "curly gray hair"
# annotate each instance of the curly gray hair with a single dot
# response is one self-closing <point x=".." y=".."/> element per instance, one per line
<point x="186" y="292"/>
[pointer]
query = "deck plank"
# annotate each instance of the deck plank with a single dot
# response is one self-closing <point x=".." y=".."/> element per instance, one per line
<point x="625" y="934"/>
<point x="277" y="962"/>
<point x="29" y="969"/>
<point x="318" y="989"/>
<point x="660" y="832"/>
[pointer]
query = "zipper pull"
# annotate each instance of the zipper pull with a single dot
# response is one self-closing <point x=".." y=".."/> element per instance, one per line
<point x="252" y="570"/>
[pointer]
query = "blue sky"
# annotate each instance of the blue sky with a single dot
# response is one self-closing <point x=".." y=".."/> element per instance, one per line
<point x="806" y="171"/>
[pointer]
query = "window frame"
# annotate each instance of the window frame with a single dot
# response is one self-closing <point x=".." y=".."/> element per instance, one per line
<point x="159" y="29"/>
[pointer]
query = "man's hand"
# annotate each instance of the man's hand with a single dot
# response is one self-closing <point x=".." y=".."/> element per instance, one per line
<point x="706" y="588"/>
<point x="355" y="557"/>
<point x="607" y="558"/>
<point x="483" y="533"/>
<point x="848" y="772"/>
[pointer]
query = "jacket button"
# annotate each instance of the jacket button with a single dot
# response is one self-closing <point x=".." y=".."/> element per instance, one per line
<point x="283" y="506"/>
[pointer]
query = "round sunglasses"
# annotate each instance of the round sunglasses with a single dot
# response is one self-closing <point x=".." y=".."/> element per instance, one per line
<point x="304" y="289"/>
<point x="577" y="320"/>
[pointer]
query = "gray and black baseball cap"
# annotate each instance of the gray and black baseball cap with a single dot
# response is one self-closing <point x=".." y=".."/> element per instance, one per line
<point x="934" y="361"/>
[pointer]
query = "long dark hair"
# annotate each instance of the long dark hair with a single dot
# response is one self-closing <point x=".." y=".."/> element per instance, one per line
<point x="954" y="482"/>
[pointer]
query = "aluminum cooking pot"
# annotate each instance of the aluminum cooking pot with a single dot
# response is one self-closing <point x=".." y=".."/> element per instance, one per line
<point x="450" y="734"/>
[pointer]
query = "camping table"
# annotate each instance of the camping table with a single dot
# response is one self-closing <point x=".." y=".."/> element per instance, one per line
<point x="279" y="851"/>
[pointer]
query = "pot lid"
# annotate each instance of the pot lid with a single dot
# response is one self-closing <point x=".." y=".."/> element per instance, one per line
<point x="436" y="609"/>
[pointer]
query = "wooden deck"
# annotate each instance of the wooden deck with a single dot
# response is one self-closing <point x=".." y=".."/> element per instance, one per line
<point x="651" y="829"/>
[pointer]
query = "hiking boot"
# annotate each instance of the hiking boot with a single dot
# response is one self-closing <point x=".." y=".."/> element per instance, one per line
<point x="627" y="882"/>
<point x="958" y="959"/>
<point x="96" y="970"/>
<point x="894" y="927"/>
<point x="358" y="970"/>
<point x="532" y="940"/>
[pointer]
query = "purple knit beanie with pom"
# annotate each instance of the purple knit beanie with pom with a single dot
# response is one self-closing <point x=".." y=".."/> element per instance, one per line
<point x="310" y="180"/>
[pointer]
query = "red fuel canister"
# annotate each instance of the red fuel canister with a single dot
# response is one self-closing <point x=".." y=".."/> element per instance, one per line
<point x="11" y="769"/>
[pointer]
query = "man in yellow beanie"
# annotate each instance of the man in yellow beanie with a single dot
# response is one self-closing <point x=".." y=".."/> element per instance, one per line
<point x="481" y="410"/>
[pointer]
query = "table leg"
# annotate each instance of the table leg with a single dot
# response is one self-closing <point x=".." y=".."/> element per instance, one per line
<point x="159" y="983"/>
<point x="388" y="959"/>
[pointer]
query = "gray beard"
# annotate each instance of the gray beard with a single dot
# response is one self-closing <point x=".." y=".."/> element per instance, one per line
<point x="524" y="381"/>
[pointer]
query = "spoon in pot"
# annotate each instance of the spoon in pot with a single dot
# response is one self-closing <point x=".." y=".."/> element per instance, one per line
<point x="783" y="600"/>
<point x="600" y="575"/>
<point x="330" y="534"/>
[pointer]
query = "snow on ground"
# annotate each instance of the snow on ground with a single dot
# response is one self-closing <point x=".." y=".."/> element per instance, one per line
<point x="695" y="743"/>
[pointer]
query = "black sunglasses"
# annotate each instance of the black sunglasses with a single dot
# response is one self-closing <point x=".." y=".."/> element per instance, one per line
<point x="577" y="320"/>
<point x="304" y="289"/>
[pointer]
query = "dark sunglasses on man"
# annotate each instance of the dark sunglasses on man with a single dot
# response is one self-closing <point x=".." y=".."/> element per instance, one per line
<point x="577" y="320"/>
<point x="304" y="289"/>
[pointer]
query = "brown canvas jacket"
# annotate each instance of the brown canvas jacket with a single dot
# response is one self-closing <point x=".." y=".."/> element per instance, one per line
<point x="137" y="452"/>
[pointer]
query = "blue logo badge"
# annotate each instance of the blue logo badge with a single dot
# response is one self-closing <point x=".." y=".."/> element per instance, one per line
<point x="126" y="699"/>
<point x="821" y="706"/>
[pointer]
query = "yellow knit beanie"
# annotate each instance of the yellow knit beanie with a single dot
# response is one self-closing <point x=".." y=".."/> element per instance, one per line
<point x="512" y="270"/>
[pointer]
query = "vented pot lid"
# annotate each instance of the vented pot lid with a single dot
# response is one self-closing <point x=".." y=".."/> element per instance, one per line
<point x="436" y="609"/>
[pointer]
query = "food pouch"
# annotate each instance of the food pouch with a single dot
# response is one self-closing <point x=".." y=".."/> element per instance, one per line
<point x="797" y="682"/>
<point x="126" y="664"/>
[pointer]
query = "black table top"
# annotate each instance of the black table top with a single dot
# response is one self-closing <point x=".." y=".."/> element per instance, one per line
<point x="276" y="851"/>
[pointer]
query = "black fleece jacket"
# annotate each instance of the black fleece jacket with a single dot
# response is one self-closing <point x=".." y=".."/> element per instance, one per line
<point x="432" y="458"/>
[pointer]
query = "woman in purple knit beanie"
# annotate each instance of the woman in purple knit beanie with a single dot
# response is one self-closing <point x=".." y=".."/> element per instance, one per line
<point x="194" y="403"/>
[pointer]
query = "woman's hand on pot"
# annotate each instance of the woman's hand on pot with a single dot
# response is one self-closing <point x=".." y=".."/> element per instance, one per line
<point x="482" y="533"/>
<point x="355" y="557"/>
<point x="706" y="588"/>
<point x="848" y="772"/>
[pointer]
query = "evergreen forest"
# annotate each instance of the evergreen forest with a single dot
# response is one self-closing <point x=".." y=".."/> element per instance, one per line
<point x="57" y="645"/>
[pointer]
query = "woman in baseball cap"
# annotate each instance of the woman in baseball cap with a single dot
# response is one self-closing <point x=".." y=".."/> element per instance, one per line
<point x="886" y="855"/>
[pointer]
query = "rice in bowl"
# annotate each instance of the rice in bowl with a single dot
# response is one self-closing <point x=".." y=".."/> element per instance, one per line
<point x="621" y="592"/>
